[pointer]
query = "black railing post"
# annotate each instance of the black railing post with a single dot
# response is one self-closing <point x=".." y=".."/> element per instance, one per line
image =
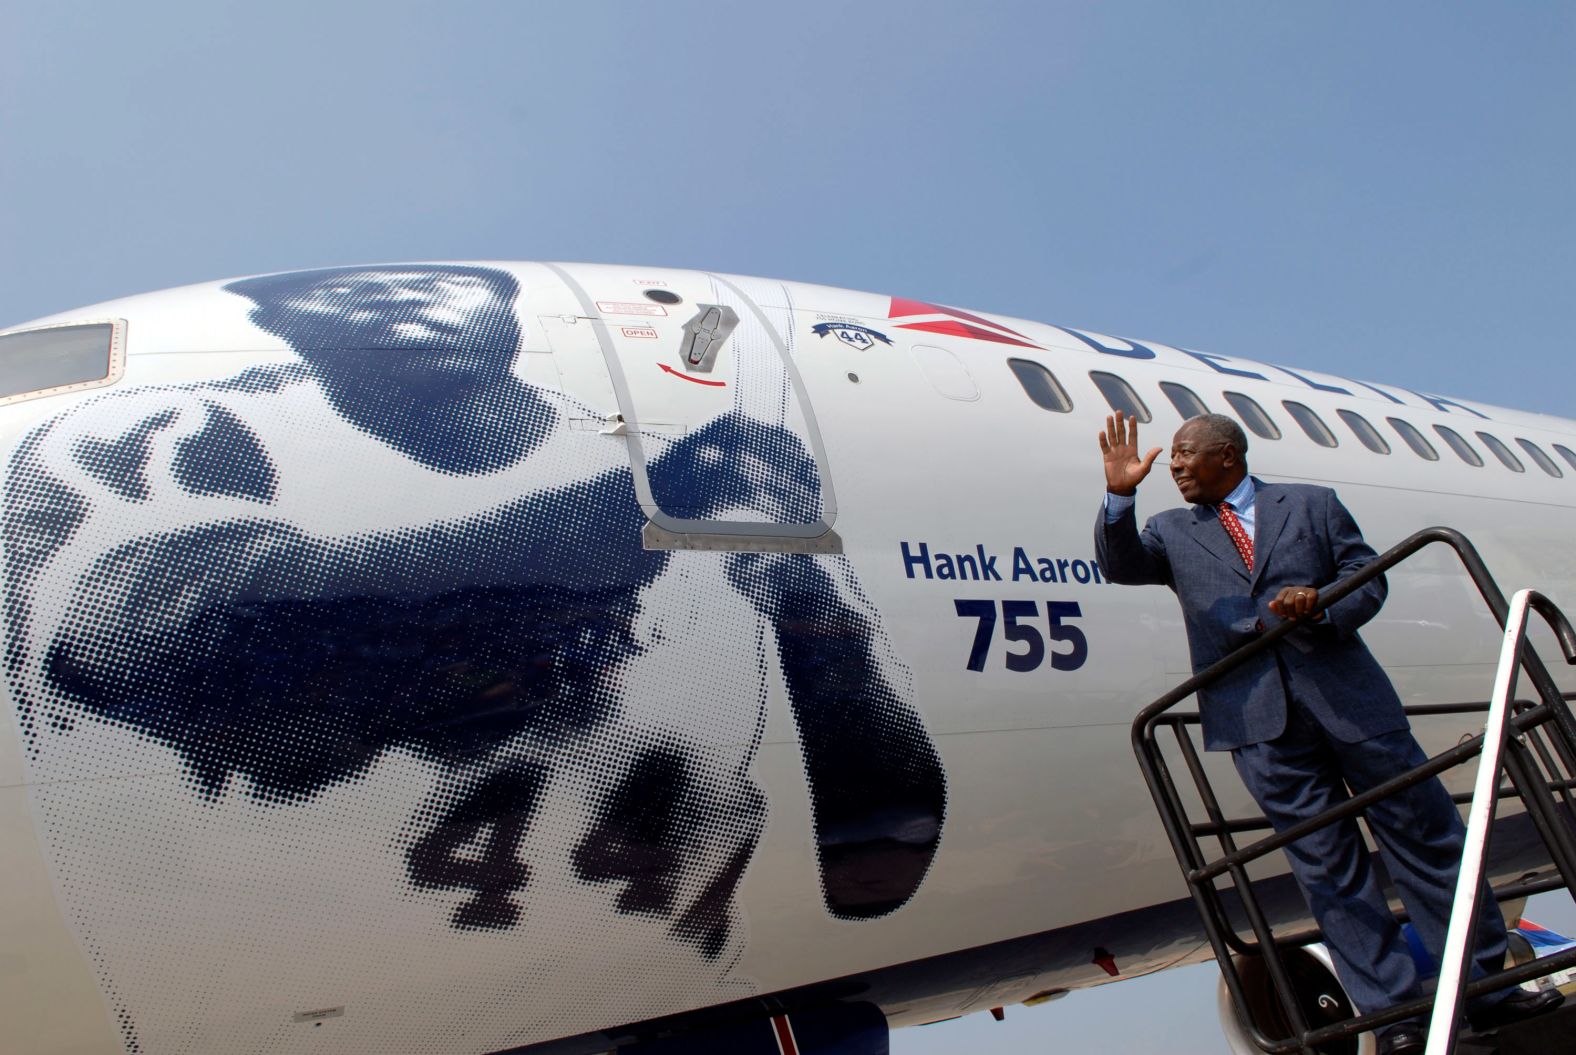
<point x="1239" y="878"/>
<point x="1158" y="776"/>
<point x="1543" y="810"/>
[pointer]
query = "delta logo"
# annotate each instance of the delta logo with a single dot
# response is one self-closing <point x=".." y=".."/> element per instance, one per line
<point x="953" y="323"/>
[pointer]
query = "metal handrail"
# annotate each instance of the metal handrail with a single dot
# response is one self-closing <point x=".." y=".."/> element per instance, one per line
<point x="1485" y="793"/>
<point x="1518" y="764"/>
<point x="1470" y="558"/>
<point x="1355" y="804"/>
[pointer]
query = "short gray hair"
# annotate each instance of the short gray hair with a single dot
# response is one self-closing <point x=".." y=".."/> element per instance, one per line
<point x="1220" y="429"/>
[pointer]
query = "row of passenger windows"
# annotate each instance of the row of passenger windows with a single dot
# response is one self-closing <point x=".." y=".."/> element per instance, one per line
<point x="1046" y="391"/>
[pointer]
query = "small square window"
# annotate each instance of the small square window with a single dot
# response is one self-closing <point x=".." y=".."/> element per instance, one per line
<point x="1253" y="416"/>
<point x="1120" y="395"/>
<point x="1041" y="385"/>
<point x="1502" y="452"/>
<point x="1365" y="433"/>
<point x="1414" y="439"/>
<point x="1184" y="399"/>
<point x="1311" y="423"/>
<point x="1462" y="448"/>
<point x="1537" y="454"/>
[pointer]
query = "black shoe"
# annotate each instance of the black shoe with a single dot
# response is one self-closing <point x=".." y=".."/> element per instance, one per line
<point x="1518" y="1005"/>
<point x="1403" y="1040"/>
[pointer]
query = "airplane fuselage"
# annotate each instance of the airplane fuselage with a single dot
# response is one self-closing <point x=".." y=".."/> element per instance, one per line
<point x="460" y="657"/>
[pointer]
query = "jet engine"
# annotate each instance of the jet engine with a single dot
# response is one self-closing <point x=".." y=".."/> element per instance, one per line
<point x="1320" y="997"/>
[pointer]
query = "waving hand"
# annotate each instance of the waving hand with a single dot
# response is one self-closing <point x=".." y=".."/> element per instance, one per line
<point x="1124" y="469"/>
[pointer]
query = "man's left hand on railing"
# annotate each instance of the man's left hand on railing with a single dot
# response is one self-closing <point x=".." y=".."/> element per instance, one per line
<point x="1298" y="602"/>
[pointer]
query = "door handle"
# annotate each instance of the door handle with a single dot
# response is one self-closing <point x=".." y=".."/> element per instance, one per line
<point x="704" y="336"/>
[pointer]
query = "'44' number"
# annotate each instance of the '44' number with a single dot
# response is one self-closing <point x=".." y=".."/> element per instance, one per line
<point x="1017" y="631"/>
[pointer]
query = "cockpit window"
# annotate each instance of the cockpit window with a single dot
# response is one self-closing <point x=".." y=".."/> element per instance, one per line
<point x="57" y="359"/>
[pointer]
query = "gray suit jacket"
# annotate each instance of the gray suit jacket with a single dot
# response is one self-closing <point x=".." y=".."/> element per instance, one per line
<point x="1303" y="536"/>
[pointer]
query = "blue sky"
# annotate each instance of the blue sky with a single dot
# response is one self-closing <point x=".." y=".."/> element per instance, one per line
<point x="1372" y="189"/>
<point x="1381" y="191"/>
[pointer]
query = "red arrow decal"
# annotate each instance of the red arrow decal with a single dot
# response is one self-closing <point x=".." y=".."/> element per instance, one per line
<point x="953" y="328"/>
<point x="687" y="377"/>
<point x="903" y="306"/>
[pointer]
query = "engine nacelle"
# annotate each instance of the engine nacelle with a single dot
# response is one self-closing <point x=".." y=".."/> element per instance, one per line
<point x="1320" y="995"/>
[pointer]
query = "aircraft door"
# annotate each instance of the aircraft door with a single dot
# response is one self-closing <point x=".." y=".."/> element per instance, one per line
<point x="721" y="436"/>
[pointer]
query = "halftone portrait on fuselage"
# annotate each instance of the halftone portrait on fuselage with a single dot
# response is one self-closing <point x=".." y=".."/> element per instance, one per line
<point x="381" y="586"/>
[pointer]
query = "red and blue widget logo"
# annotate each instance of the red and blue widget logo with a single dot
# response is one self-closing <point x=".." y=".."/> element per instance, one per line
<point x="953" y="323"/>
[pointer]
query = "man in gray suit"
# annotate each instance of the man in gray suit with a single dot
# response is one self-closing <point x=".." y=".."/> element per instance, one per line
<point x="1312" y="720"/>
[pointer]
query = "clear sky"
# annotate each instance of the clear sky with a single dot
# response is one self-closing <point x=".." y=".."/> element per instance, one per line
<point x="1382" y="191"/>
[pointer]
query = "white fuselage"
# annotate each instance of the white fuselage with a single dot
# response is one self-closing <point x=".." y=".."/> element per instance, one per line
<point x="174" y="879"/>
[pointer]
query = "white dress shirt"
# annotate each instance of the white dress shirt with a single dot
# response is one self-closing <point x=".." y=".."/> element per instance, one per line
<point x="1241" y="498"/>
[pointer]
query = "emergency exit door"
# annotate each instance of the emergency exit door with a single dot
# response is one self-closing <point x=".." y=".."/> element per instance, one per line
<point x="721" y="436"/>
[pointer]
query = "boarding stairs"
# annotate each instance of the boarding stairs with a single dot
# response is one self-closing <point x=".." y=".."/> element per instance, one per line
<point x="1527" y="751"/>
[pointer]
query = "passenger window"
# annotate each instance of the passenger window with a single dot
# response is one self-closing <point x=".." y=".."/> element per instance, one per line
<point x="1462" y="448"/>
<point x="1414" y="439"/>
<point x="1120" y="395"/>
<point x="1041" y="385"/>
<point x="1502" y="452"/>
<point x="1311" y="423"/>
<point x="1366" y="433"/>
<point x="1253" y="416"/>
<point x="1566" y="453"/>
<point x="1184" y="399"/>
<point x="1537" y="454"/>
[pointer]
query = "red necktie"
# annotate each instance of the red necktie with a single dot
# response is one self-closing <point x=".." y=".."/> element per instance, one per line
<point x="1233" y="526"/>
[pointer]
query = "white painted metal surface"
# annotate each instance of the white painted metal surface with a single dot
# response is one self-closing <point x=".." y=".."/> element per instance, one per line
<point x="1442" y="1031"/>
<point x="210" y="916"/>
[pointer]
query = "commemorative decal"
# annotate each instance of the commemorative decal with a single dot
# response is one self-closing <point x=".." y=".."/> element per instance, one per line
<point x="434" y="692"/>
<point x="852" y="334"/>
<point x="1036" y="633"/>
